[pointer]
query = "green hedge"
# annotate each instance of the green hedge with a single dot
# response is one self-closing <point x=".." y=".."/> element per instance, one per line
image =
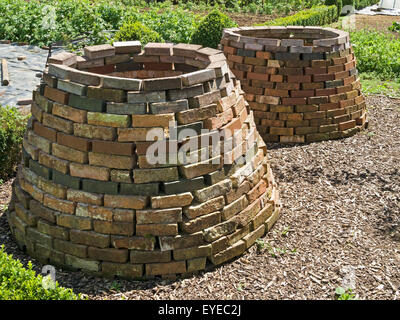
<point x="137" y="31"/>
<point x="209" y="31"/>
<point x="316" y="16"/>
<point x="12" y="129"/>
<point x="19" y="283"/>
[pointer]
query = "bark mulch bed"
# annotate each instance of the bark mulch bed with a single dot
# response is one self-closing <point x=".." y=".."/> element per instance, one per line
<point x="339" y="227"/>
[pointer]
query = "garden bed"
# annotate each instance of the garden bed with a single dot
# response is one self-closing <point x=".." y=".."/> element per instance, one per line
<point x="340" y="216"/>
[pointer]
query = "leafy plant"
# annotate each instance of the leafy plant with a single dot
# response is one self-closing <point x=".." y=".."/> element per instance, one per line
<point x="344" y="294"/>
<point x="209" y="31"/>
<point x="12" y="129"/>
<point x="19" y="283"/>
<point x="377" y="53"/>
<point x="137" y="31"/>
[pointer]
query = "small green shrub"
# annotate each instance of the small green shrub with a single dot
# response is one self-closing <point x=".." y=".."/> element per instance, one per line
<point x="337" y="3"/>
<point x="12" y="129"/>
<point x="137" y="31"/>
<point x="316" y="16"/>
<point x="209" y="31"/>
<point x="19" y="283"/>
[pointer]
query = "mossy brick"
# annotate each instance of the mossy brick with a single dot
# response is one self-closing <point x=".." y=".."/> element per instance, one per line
<point x="84" y="197"/>
<point x="153" y="229"/>
<point x="43" y="212"/>
<point x="38" y="237"/>
<point x="73" y="222"/>
<point x="126" y="270"/>
<point x="39" y="142"/>
<point x="127" y="108"/>
<point x="137" y="256"/>
<point x="69" y="113"/>
<point x="166" y="268"/>
<point x="72" y="87"/>
<point x="313" y="137"/>
<point x="74" y="249"/>
<point x="168" y="215"/>
<point x="108" y="254"/>
<point x="108" y="120"/>
<point x="99" y="186"/>
<point x="25" y="215"/>
<point x="134" y="243"/>
<point x="143" y="189"/>
<point x="196" y="264"/>
<point x="94" y="132"/>
<point x="123" y="176"/>
<point x="53" y="230"/>
<point x="88" y="104"/>
<point x="94" y="212"/>
<point x="69" y="154"/>
<point x="155" y="175"/>
<point x="66" y="180"/>
<point x="200" y="223"/>
<point x="22" y="196"/>
<point x="84" y="264"/>
<point x="183" y="185"/>
<point x="114" y="228"/>
<point x="113" y="95"/>
<point x="57" y="123"/>
<point x="40" y="170"/>
<point x="192" y="252"/>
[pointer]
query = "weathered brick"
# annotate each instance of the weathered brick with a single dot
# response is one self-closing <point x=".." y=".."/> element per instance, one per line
<point x="170" y="201"/>
<point x="201" y="223"/>
<point x="170" y="215"/>
<point x="126" y="202"/>
<point x="165" y="268"/>
<point x="168" y="229"/>
<point x="114" y="228"/>
<point x="149" y="256"/>
<point x="109" y="254"/>
<point x="111" y="161"/>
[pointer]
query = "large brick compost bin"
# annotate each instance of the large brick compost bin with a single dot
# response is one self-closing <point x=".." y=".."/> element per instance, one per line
<point x="88" y="195"/>
<point x="301" y="82"/>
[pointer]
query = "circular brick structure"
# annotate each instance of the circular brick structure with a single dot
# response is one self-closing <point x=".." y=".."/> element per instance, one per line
<point x="88" y="194"/>
<point x="301" y="82"/>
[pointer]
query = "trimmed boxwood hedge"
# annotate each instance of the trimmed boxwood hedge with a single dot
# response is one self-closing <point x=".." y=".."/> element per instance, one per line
<point x="316" y="16"/>
<point x="209" y="32"/>
<point x="19" y="283"/>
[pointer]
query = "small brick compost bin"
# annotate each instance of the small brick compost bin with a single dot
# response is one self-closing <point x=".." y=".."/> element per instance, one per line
<point x="86" y="195"/>
<point x="301" y="82"/>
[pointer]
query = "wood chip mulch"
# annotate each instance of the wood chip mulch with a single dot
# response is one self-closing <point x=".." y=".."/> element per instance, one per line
<point x="340" y="226"/>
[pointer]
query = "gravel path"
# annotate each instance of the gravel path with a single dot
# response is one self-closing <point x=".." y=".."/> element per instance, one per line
<point x="340" y="227"/>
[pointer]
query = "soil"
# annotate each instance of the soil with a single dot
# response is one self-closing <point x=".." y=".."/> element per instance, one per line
<point x="377" y="22"/>
<point x="340" y="226"/>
